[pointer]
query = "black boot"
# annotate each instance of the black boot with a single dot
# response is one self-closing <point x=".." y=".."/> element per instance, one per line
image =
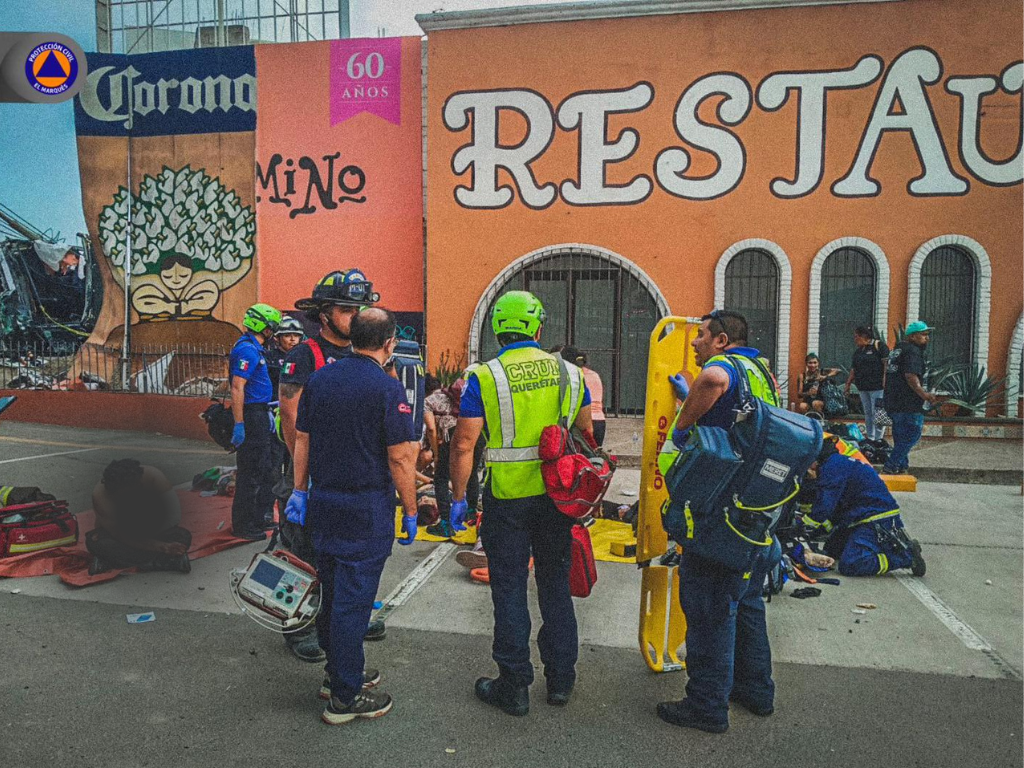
<point x="498" y="692"/>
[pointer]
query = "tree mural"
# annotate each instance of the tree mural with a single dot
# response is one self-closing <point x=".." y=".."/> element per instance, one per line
<point x="191" y="239"/>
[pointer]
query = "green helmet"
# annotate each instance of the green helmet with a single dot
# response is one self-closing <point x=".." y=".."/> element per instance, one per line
<point x="261" y="317"/>
<point x="518" y="312"/>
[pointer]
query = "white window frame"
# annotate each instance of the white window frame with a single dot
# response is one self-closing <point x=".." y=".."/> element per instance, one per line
<point x="982" y="288"/>
<point x="882" y="282"/>
<point x="784" y="309"/>
<point x="1013" y="363"/>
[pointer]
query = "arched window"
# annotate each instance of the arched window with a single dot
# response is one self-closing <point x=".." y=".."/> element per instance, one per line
<point x="596" y="301"/>
<point x="948" y="298"/>
<point x="752" y="288"/>
<point x="847" y="300"/>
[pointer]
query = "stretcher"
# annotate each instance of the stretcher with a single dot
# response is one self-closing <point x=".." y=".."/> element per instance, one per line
<point x="662" y="624"/>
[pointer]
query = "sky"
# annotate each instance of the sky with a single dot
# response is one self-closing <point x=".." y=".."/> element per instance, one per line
<point x="39" y="176"/>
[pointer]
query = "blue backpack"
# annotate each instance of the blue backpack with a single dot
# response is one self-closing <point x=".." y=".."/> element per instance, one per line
<point x="729" y="487"/>
<point x="412" y="373"/>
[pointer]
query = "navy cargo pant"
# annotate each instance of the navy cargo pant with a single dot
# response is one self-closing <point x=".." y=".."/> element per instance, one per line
<point x="726" y="635"/>
<point x="870" y="549"/>
<point x="348" y="587"/>
<point x="517" y="529"/>
<point x="255" y="477"/>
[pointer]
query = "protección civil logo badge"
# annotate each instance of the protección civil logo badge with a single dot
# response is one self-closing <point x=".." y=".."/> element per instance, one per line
<point x="51" y="68"/>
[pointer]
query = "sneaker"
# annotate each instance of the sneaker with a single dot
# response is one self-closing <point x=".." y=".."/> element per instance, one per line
<point x="917" y="564"/>
<point x="97" y="566"/>
<point x="512" y="700"/>
<point x="443" y="529"/>
<point x="376" y="631"/>
<point x="679" y="713"/>
<point x="306" y="648"/>
<point x="366" y="704"/>
<point x="471" y="558"/>
<point x="371" y="679"/>
<point x="183" y="564"/>
<point x="750" y="706"/>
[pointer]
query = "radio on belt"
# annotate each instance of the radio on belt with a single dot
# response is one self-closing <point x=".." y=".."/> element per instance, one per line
<point x="277" y="590"/>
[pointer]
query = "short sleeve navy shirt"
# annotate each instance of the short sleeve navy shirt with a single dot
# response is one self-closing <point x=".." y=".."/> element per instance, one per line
<point x="249" y="362"/>
<point x="353" y="412"/>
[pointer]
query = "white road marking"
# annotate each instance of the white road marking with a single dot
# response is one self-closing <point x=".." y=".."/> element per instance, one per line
<point x="405" y="589"/>
<point x="944" y="613"/>
<point x="47" y="455"/>
<point x="963" y="632"/>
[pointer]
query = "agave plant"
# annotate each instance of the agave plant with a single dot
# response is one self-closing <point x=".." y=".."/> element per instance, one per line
<point x="449" y="368"/>
<point x="971" y="389"/>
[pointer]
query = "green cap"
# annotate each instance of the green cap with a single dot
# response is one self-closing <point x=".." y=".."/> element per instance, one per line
<point x="918" y="326"/>
<point x="518" y="312"/>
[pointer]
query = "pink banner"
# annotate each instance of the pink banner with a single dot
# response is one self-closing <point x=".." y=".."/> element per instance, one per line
<point x="366" y="76"/>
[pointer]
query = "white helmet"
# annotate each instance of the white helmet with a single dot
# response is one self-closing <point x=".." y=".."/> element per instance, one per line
<point x="289" y="325"/>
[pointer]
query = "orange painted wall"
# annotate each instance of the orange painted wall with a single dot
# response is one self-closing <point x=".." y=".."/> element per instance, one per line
<point x="384" y="235"/>
<point x="678" y="242"/>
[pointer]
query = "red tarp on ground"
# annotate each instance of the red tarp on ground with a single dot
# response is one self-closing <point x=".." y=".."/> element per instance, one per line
<point x="201" y="515"/>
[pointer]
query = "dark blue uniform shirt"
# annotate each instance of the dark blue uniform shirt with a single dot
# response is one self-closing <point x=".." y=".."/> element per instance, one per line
<point x="353" y="412"/>
<point x="849" y="491"/>
<point x="249" y="362"/>
<point x="723" y="412"/>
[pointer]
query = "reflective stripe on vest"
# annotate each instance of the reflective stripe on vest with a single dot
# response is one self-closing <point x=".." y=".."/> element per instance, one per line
<point x="876" y="517"/>
<point x="761" y="388"/>
<point x="520" y="395"/>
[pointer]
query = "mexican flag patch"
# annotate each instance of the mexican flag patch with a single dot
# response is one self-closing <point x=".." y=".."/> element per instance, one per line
<point x="289" y="369"/>
<point x="243" y="365"/>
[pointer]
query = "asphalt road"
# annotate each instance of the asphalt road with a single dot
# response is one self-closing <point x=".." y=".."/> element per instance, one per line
<point x="929" y="678"/>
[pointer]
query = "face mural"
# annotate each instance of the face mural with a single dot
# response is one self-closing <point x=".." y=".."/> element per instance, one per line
<point x="191" y="239"/>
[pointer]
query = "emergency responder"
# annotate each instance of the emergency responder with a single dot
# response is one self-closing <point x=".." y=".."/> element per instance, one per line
<point x="251" y="392"/>
<point x="355" y="446"/>
<point x="336" y="299"/>
<point x="848" y="500"/>
<point x="727" y="652"/>
<point x="514" y="397"/>
<point x="287" y="336"/>
<point x="289" y="333"/>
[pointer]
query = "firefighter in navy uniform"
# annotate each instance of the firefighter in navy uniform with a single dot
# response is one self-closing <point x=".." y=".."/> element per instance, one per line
<point x="514" y="397"/>
<point x="727" y="653"/>
<point x="286" y="337"/>
<point x="336" y="299"/>
<point x="251" y="392"/>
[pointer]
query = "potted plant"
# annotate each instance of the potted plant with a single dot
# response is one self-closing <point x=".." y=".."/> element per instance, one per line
<point x="970" y="390"/>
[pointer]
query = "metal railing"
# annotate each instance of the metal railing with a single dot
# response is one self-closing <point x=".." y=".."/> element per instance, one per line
<point x="188" y="370"/>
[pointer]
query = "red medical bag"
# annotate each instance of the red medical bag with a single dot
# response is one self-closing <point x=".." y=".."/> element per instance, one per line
<point x="583" y="570"/>
<point x="35" y="527"/>
<point x="575" y="475"/>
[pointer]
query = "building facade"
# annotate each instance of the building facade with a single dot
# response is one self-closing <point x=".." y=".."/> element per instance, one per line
<point x="814" y="165"/>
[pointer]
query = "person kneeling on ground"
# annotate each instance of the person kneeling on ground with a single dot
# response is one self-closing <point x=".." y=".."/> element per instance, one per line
<point x="853" y="504"/>
<point x="137" y="521"/>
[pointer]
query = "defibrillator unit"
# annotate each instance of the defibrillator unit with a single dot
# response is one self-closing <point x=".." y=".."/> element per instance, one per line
<point x="277" y="591"/>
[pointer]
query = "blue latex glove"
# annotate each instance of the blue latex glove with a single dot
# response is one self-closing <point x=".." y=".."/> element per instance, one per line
<point x="457" y="518"/>
<point x="238" y="434"/>
<point x="678" y="382"/>
<point x="295" y="509"/>
<point x="409" y="528"/>
<point x="679" y="437"/>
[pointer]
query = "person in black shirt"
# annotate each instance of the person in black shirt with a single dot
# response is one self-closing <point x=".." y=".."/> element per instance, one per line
<point x="336" y="299"/>
<point x="868" y="373"/>
<point x="905" y="395"/>
<point x="288" y="335"/>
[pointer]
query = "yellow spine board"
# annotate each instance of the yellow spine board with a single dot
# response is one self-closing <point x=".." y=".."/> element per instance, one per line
<point x="662" y="624"/>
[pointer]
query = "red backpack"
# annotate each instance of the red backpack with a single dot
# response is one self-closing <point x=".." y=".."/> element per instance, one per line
<point x="576" y="472"/>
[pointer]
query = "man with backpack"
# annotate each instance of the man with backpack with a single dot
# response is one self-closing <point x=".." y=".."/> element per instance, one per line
<point x="515" y="396"/>
<point x="727" y="651"/>
<point x="336" y="299"/>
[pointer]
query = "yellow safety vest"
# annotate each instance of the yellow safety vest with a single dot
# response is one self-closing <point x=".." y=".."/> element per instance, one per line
<point x="761" y="387"/>
<point x="520" y="395"/>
